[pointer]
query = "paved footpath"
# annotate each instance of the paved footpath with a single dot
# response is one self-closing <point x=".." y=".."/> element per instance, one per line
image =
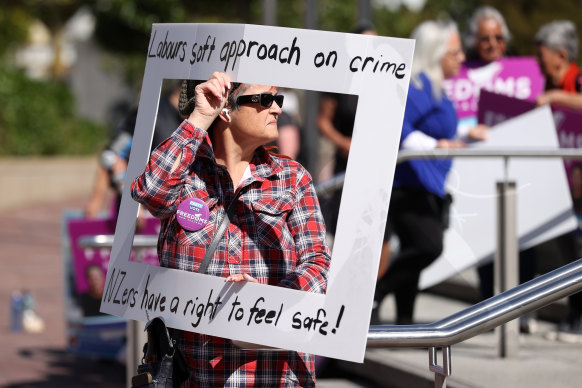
<point x="30" y="254"/>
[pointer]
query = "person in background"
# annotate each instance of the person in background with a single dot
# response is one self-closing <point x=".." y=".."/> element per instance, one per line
<point x="418" y="194"/>
<point x="557" y="52"/>
<point x="289" y="140"/>
<point x="276" y="234"/>
<point x="486" y="41"/>
<point x="114" y="158"/>
<point x="487" y="36"/>
<point x="91" y="299"/>
<point x="335" y="121"/>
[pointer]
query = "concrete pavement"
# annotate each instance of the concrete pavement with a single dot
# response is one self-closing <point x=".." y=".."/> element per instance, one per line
<point x="30" y="253"/>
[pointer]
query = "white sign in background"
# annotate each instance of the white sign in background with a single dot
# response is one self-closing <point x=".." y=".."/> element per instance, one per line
<point x="377" y="69"/>
<point x="544" y="204"/>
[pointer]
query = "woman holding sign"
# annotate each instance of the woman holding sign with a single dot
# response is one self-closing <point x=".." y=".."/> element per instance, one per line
<point x="215" y="168"/>
<point x="418" y="194"/>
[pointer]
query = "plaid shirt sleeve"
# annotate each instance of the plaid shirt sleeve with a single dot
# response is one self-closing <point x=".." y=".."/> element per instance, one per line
<point x="308" y="229"/>
<point x="158" y="188"/>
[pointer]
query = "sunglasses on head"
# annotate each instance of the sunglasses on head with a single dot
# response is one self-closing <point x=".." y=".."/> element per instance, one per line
<point x="265" y="99"/>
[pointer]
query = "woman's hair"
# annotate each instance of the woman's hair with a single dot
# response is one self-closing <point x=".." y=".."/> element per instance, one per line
<point x="432" y="38"/>
<point x="559" y="35"/>
<point x="481" y="14"/>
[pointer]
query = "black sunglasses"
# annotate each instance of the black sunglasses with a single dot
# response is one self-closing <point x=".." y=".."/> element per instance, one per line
<point x="265" y="99"/>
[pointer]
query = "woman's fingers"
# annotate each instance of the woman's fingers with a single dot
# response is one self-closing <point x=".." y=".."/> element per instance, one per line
<point x="241" y="277"/>
<point x="218" y="86"/>
<point x="249" y="278"/>
<point x="211" y="97"/>
<point x="221" y="83"/>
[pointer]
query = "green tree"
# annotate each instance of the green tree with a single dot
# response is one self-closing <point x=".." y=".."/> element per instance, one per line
<point x="37" y="118"/>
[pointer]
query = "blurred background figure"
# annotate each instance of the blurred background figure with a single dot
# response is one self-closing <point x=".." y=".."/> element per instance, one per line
<point x="335" y="121"/>
<point x="486" y="41"/>
<point x="91" y="299"/>
<point x="289" y="125"/>
<point x="487" y="36"/>
<point x="418" y="194"/>
<point x="114" y="158"/>
<point x="557" y="53"/>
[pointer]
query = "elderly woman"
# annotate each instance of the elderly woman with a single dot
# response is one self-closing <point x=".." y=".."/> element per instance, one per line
<point x="488" y="35"/>
<point x="276" y="233"/>
<point x="557" y="53"/>
<point x="418" y="194"/>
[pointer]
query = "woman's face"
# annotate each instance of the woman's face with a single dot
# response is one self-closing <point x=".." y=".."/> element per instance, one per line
<point x="490" y="41"/>
<point x="252" y="124"/>
<point x="550" y="61"/>
<point x="454" y="57"/>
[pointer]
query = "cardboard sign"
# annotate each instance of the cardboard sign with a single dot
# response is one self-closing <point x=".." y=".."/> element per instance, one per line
<point x="377" y="70"/>
<point x="85" y="257"/>
<point x="544" y="204"/>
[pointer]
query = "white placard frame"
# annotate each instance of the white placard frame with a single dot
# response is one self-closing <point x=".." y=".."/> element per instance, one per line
<point x="346" y="306"/>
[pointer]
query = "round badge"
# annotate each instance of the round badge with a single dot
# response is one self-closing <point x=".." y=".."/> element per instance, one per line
<point x="192" y="214"/>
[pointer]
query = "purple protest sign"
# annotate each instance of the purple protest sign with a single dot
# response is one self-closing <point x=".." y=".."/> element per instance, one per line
<point x="98" y="258"/>
<point x="518" y="77"/>
<point x="495" y="108"/>
<point x="569" y="127"/>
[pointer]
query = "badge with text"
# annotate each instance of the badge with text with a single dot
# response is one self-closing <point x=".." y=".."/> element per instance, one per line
<point x="192" y="214"/>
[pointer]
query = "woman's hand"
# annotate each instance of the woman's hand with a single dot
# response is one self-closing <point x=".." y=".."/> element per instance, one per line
<point x="211" y="97"/>
<point x="478" y="133"/>
<point x="547" y="98"/>
<point x="447" y="143"/>
<point x="241" y="277"/>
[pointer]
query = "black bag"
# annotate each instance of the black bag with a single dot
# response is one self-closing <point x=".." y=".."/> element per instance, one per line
<point x="163" y="365"/>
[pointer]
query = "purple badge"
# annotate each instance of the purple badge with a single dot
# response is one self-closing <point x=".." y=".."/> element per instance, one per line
<point x="192" y="214"/>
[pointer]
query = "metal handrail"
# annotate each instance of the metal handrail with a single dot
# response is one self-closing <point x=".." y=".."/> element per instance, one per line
<point x="483" y="316"/>
<point x="445" y="153"/>
<point x="106" y="241"/>
<point x="337" y="181"/>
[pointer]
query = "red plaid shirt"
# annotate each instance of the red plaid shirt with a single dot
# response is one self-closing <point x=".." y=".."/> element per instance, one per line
<point x="276" y="234"/>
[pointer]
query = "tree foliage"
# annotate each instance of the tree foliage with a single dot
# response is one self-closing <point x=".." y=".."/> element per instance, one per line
<point x="37" y="118"/>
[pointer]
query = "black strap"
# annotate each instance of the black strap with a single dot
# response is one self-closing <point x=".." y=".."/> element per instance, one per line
<point x="217" y="236"/>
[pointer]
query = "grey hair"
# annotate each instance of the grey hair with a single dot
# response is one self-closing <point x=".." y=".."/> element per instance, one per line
<point x="432" y="38"/>
<point x="559" y="35"/>
<point x="481" y="14"/>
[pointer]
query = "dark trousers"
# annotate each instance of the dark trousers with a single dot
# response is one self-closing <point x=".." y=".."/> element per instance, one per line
<point x="486" y="272"/>
<point x="416" y="218"/>
<point x="567" y="251"/>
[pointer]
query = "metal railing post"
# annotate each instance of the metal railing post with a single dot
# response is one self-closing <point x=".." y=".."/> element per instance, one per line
<point x="507" y="263"/>
<point x="440" y="372"/>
